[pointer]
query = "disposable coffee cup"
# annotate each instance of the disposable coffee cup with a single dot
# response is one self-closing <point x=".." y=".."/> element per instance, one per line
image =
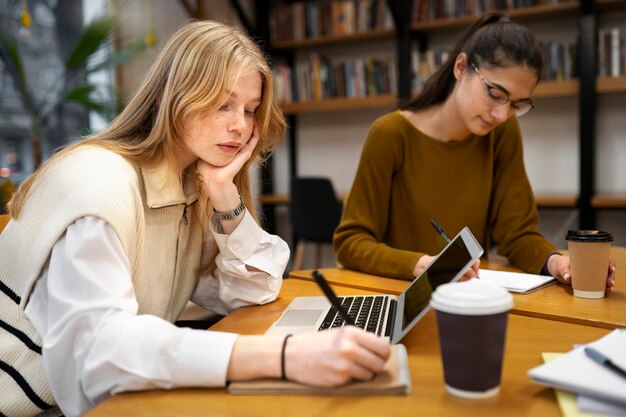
<point x="589" y="253"/>
<point x="472" y="318"/>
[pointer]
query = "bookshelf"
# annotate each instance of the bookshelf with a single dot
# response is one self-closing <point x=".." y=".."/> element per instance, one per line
<point x="585" y="88"/>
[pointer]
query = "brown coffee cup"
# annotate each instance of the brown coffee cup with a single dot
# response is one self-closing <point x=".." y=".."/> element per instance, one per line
<point x="589" y="253"/>
<point x="472" y="319"/>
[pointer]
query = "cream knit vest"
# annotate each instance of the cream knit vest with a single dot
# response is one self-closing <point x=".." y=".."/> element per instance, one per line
<point x="160" y="239"/>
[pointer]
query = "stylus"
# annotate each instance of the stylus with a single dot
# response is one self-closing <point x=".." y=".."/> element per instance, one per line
<point x="440" y="230"/>
<point x="330" y="294"/>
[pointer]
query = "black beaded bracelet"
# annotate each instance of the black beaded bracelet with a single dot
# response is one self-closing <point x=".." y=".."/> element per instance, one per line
<point x="282" y="358"/>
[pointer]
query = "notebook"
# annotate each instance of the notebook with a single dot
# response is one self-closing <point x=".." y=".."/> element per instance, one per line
<point x="576" y="372"/>
<point x="394" y="379"/>
<point x="517" y="282"/>
<point x="399" y="313"/>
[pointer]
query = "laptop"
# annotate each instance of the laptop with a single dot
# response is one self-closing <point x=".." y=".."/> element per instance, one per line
<point x="386" y="315"/>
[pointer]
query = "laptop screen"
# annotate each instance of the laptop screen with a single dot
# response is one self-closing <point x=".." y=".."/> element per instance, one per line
<point x="441" y="271"/>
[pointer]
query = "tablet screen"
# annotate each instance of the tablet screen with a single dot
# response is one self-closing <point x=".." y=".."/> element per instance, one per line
<point x="441" y="271"/>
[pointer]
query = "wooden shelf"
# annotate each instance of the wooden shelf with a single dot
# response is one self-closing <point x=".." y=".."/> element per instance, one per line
<point x="340" y="104"/>
<point x="610" y="5"/>
<point x="329" y="40"/>
<point x="599" y="201"/>
<point x="545" y="89"/>
<point x="544" y="11"/>
<point x="556" y="201"/>
<point x="274" y="199"/>
<point x="557" y="88"/>
<point x="611" y="84"/>
<point x="284" y="199"/>
<point x="570" y="87"/>
<point x="609" y="201"/>
<point x="542" y="201"/>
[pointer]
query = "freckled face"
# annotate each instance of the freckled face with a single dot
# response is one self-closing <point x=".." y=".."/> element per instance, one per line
<point x="217" y="138"/>
<point x="478" y="111"/>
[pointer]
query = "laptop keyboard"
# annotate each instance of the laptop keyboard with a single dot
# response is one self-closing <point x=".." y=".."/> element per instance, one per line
<point x="367" y="312"/>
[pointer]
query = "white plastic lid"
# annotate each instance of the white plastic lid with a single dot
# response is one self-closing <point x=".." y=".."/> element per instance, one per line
<point x="473" y="297"/>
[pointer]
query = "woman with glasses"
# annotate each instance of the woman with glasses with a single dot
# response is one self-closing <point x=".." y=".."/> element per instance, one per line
<point x="454" y="155"/>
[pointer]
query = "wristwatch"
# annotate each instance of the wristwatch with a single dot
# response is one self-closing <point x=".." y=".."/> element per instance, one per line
<point x="230" y="215"/>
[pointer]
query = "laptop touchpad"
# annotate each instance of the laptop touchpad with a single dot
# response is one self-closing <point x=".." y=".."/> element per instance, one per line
<point x="300" y="317"/>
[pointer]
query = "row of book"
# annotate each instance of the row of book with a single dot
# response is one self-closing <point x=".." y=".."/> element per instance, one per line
<point x="310" y="19"/>
<point x="559" y="63"/>
<point x="559" y="59"/>
<point x="320" y="79"/>
<point x="426" y="10"/>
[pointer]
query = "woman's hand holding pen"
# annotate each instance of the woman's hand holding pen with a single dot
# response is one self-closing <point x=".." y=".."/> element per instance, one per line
<point x="559" y="267"/>
<point x="335" y="357"/>
<point x="424" y="261"/>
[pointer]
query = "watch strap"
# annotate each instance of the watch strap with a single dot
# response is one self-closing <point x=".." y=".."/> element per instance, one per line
<point x="230" y="215"/>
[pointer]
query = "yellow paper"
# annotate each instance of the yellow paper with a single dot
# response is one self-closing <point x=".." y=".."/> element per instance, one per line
<point x="566" y="400"/>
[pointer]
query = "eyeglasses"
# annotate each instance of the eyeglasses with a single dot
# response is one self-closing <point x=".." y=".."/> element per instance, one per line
<point x="520" y="107"/>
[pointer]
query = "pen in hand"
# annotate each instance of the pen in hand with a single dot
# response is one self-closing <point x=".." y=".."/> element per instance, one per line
<point x="330" y="294"/>
<point x="443" y="234"/>
<point x="603" y="360"/>
<point x="440" y="230"/>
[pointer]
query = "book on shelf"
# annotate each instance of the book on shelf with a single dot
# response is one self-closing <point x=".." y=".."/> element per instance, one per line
<point x="395" y="379"/>
<point x="611" y="53"/>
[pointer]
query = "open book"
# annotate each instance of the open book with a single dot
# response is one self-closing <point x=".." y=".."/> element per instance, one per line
<point x="517" y="282"/>
<point x="395" y="379"/>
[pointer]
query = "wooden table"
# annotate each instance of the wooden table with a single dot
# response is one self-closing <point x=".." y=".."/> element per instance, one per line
<point x="555" y="302"/>
<point x="527" y="337"/>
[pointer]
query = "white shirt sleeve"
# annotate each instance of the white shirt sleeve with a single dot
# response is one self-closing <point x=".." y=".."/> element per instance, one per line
<point x="249" y="267"/>
<point x="95" y="344"/>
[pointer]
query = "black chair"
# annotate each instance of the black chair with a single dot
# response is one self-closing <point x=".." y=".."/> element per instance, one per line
<point x="315" y="213"/>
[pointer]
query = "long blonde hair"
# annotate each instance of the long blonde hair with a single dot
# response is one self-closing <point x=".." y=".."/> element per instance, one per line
<point x="189" y="77"/>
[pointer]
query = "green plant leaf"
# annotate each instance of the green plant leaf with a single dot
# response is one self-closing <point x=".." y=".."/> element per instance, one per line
<point x="120" y="57"/>
<point x="92" y="36"/>
<point x="81" y="94"/>
<point x="10" y="46"/>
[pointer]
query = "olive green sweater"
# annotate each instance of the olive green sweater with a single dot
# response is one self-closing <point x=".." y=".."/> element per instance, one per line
<point x="406" y="178"/>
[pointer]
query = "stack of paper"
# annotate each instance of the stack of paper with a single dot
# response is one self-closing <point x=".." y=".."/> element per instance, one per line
<point x="517" y="282"/>
<point x="576" y="372"/>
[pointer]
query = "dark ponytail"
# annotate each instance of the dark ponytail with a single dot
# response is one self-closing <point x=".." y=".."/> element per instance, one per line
<point x="493" y="40"/>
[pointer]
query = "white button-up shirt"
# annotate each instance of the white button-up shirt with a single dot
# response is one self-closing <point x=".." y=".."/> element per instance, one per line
<point x="94" y="343"/>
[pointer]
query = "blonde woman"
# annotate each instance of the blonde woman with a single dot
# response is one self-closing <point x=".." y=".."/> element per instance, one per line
<point x="114" y="234"/>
